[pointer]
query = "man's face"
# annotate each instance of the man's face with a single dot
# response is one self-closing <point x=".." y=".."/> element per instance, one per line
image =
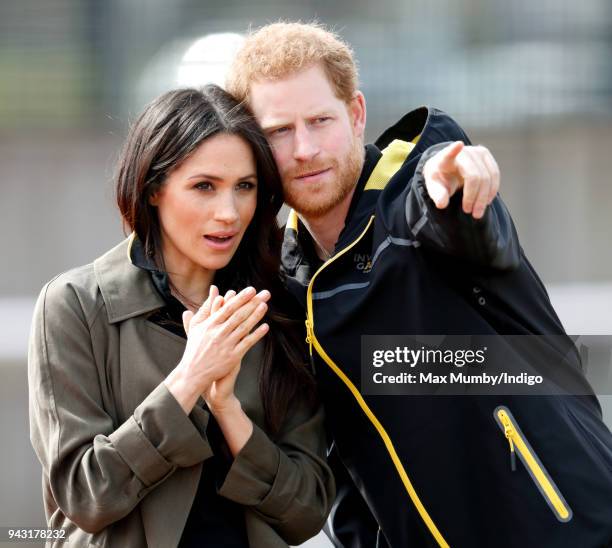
<point x="316" y="137"/>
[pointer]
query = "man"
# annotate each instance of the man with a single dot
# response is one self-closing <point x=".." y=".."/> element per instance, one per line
<point x="416" y="241"/>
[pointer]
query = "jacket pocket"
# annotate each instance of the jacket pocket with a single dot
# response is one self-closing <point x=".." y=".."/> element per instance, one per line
<point x="540" y="476"/>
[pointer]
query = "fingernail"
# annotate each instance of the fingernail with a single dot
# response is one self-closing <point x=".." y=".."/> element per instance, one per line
<point x="264" y="294"/>
<point x="261" y="306"/>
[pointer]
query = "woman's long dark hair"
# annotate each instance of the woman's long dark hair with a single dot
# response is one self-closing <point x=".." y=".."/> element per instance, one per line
<point x="166" y="133"/>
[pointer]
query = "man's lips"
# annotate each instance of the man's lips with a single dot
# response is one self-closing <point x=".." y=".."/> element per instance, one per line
<point x="311" y="175"/>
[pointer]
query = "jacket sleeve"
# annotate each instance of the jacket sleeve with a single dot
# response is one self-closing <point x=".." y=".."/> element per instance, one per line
<point x="97" y="471"/>
<point x="491" y="241"/>
<point x="287" y="482"/>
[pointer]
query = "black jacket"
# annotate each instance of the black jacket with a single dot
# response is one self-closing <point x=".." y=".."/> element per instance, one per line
<point x="436" y="470"/>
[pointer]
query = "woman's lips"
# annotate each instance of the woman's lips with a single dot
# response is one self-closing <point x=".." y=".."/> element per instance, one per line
<point x="219" y="242"/>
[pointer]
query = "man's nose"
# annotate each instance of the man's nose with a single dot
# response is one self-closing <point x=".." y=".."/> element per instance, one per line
<point x="226" y="210"/>
<point x="305" y="146"/>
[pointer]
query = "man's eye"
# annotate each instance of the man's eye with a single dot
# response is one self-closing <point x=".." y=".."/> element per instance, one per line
<point x="246" y="185"/>
<point x="279" y="131"/>
<point x="322" y="119"/>
<point x="203" y="186"/>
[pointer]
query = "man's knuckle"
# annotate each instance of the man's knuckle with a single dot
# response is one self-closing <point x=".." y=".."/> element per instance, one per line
<point x="471" y="186"/>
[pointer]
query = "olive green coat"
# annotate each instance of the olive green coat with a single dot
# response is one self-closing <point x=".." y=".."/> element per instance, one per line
<point x="121" y="460"/>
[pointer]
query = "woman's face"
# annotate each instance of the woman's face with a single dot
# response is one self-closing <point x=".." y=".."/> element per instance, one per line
<point x="206" y="204"/>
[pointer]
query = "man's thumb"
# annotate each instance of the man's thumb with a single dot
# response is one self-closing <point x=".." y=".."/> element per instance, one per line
<point x="438" y="193"/>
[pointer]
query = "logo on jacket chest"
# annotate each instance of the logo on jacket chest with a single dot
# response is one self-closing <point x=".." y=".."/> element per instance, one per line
<point x="363" y="262"/>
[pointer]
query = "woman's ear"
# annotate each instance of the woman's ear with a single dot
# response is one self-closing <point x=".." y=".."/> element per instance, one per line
<point x="154" y="198"/>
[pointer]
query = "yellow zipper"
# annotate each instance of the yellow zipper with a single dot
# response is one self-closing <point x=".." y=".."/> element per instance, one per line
<point x="537" y="471"/>
<point x="312" y="341"/>
<point x="309" y="336"/>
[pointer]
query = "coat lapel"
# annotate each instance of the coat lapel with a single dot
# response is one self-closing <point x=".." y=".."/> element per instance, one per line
<point x="148" y="354"/>
<point x="126" y="289"/>
<point x="153" y="352"/>
<point x="163" y="521"/>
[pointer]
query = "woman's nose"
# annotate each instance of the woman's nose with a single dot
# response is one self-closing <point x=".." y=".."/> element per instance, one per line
<point x="226" y="210"/>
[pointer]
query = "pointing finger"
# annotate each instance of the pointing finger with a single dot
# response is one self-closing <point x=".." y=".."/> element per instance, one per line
<point x="448" y="155"/>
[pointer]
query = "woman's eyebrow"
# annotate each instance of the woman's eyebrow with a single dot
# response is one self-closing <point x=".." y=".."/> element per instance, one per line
<point x="217" y="177"/>
<point x="204" y="176"/>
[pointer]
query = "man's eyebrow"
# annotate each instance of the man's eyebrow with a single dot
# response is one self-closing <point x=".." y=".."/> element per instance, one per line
<point x="320" y="113"/>
<point x="270" y="126"/>
<point x="274" y="125"/>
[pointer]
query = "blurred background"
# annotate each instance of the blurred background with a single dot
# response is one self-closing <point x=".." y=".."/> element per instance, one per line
<point x="530" y="80"/>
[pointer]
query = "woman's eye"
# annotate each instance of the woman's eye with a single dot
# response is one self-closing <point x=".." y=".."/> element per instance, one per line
<point x="246" y="185"/>
<point x="203" y="186"/>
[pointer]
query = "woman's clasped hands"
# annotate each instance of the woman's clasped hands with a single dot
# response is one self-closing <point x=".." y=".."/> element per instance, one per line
<point x="219" y="334"/>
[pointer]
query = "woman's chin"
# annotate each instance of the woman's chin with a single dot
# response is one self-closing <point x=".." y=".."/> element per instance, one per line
<point x="216" y="261"/>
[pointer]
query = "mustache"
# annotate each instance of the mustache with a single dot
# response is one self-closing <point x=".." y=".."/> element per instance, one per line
<point x="306" y="168"/>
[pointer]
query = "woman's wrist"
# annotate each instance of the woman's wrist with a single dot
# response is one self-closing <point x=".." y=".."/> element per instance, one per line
<point x="227" y="409"/>
<point x="234" y="423"/>
<point x="184" y="390"/>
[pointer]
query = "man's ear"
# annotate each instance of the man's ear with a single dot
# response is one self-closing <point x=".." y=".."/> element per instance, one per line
<point x="357" y="110"/>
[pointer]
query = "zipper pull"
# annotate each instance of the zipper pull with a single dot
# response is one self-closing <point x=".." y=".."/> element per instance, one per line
<point x="309" y="335"/>
<point x="509" y="432"/>
<point x="512" y="454"/>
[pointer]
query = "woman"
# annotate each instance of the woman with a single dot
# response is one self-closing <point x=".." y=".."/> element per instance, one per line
<point x="148" y="439"/>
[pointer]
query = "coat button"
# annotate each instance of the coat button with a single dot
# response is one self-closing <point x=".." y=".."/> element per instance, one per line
<point x="476" y="289"/>
<point x="482" y="301"/>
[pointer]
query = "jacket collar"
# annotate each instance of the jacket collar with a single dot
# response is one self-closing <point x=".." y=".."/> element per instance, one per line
<point x="127" y="290"/>
<point x="422" y="127"/>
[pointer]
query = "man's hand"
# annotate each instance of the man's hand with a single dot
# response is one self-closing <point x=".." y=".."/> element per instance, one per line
<point x="457" y="166"/>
